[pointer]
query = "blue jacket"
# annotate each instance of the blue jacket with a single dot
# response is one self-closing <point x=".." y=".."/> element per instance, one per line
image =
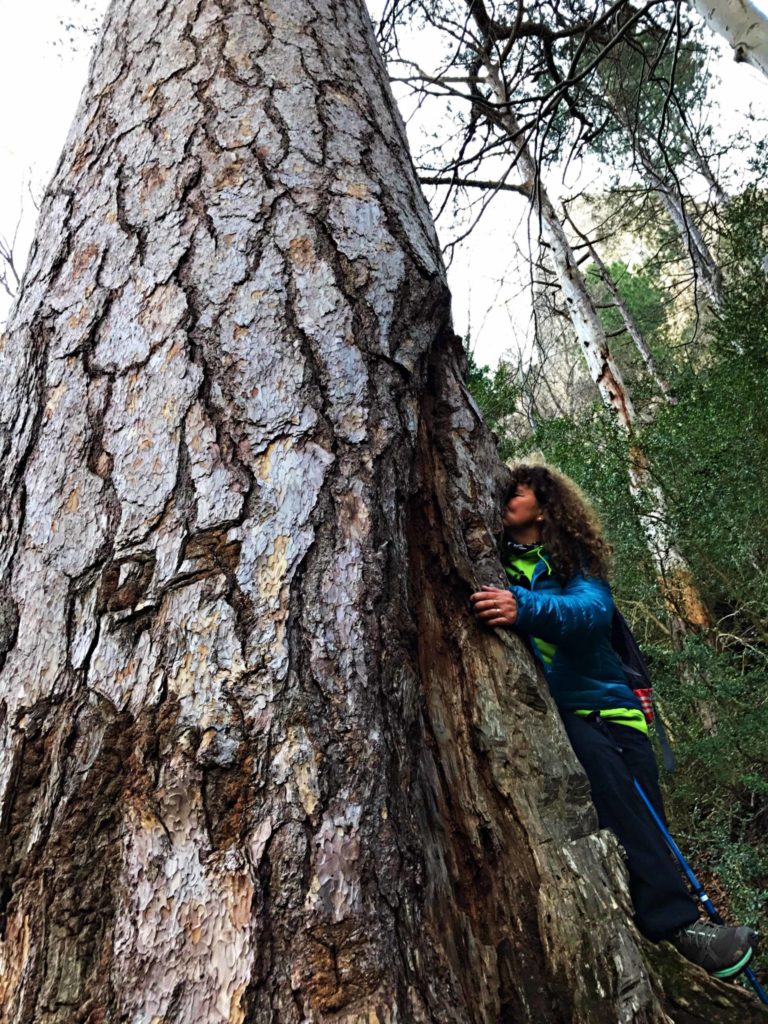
<point x="585" y="672"/>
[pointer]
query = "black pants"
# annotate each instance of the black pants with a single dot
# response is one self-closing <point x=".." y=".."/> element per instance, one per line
<point x="612" y="755"/>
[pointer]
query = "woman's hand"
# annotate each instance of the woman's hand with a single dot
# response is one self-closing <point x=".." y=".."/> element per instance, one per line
<point x="495" y="607"/>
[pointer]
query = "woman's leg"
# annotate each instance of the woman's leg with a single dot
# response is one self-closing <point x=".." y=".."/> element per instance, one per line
<point x="612" y="760"/>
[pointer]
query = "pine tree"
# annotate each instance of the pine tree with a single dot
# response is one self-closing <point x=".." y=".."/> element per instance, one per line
<point x="258" y="763"/>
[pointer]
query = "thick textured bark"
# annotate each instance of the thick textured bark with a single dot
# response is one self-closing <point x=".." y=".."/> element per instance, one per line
<point x="258" y="763"/>
<point x="742" y="24"/>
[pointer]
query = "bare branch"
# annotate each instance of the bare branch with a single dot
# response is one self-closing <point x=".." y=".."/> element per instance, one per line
<point x="495" y="186"/>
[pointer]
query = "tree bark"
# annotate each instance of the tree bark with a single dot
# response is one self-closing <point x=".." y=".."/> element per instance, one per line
<point x="258" y="763"/>
<point x="742" y="24"/>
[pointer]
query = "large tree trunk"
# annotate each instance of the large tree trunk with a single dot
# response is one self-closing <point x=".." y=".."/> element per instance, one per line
<point x="258" y="763"/>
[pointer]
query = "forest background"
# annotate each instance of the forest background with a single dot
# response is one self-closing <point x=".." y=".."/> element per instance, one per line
<point x="650" y="248"/>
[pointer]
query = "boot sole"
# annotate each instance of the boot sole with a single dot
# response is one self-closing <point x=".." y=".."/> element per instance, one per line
<point x="728" y="972"/>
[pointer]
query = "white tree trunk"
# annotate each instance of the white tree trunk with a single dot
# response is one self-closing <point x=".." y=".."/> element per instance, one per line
<point x="704" y="264"/>
<point x="631" y="325"/>
<point x="581" y="309"/>
<point x="675" y="578"/>
<point x="742" y="24"/>
<point x="676" y="581"/>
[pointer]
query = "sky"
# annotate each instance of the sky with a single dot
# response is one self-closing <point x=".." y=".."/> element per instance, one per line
<point x="41" y="77"/>
<point x="44" y="57"/>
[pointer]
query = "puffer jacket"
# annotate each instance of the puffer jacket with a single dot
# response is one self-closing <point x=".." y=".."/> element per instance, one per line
<point x="585" y="672"/>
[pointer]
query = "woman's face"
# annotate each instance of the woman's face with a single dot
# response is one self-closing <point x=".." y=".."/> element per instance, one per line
<point x="522" y="511"/>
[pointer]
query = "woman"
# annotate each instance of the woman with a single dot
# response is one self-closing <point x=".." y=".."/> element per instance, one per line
<point x="556" y="559"/>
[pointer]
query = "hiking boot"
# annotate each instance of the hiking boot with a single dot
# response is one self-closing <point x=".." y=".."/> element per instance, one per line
<point x="719" y="950"/>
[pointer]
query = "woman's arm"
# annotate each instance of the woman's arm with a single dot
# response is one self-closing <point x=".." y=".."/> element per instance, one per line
<point x="585" y="607"/>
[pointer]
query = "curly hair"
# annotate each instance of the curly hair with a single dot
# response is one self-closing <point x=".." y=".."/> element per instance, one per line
<point x="571" y="531"/>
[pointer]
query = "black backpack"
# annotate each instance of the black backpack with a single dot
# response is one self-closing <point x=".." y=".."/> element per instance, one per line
<point x="636" y="671"/>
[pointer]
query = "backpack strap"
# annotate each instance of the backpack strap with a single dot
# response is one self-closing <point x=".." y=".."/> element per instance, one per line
<point x="636" y="670"/>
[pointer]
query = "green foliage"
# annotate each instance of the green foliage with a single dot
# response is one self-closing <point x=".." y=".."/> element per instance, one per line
<point x="718" y="798"/>
<point x="709" y="453"/>
<point x="496" y="393"/>
<point x="742" y="324"/>
<point x="643" y="295"/>
<point x="643" y="86"/>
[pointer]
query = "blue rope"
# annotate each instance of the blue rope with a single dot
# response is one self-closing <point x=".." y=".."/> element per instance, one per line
<point x="697" y="887"/>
